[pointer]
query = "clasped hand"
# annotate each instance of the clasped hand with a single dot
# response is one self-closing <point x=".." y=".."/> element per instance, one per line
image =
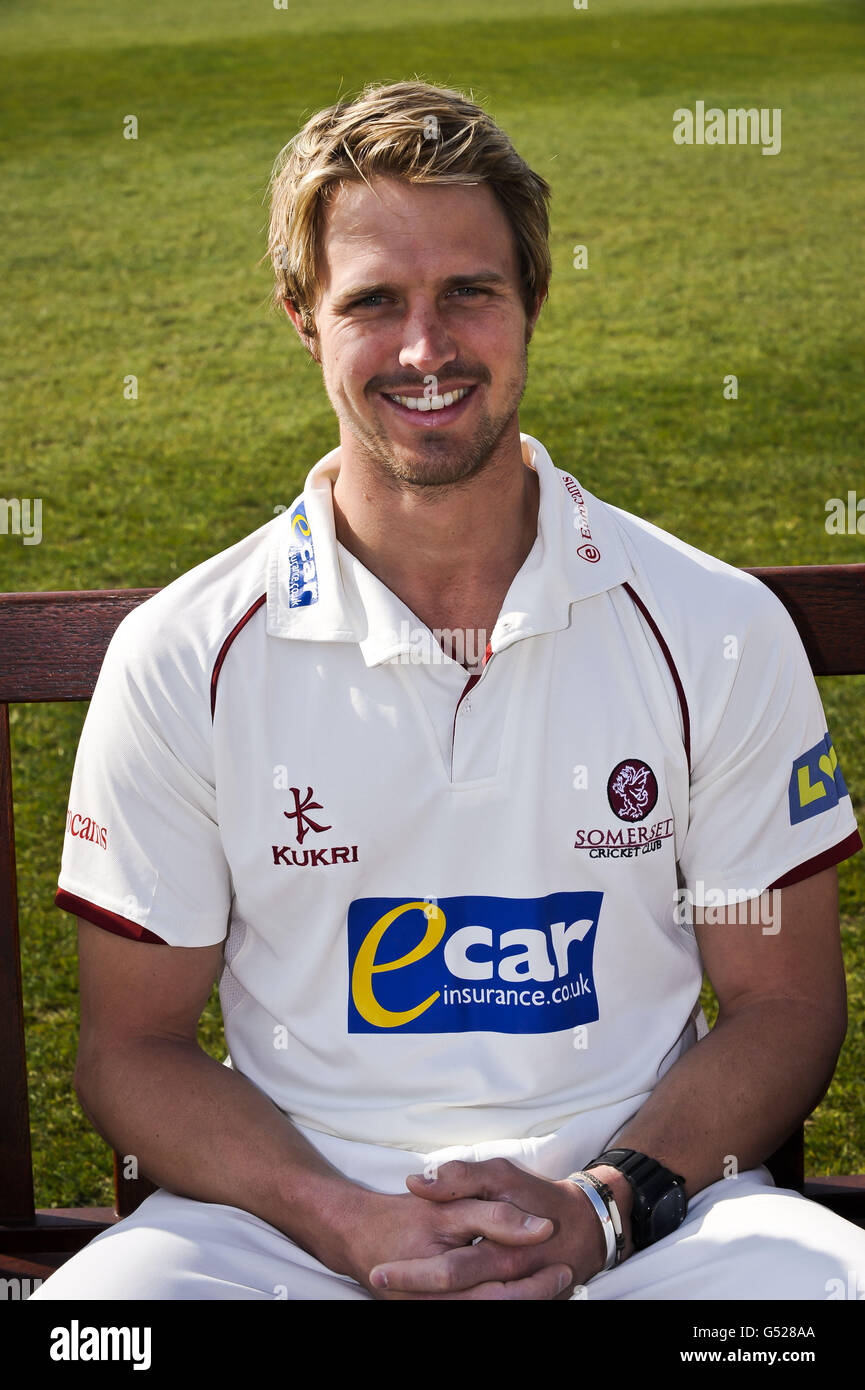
<point x="539" y="1239"/>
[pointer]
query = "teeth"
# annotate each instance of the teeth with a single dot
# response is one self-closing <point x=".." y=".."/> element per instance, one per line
<point x="432" y="402"/>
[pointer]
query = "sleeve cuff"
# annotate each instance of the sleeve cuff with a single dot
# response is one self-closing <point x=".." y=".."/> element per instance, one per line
<point x="843" y="850"/>
<point x="100" y="917"/>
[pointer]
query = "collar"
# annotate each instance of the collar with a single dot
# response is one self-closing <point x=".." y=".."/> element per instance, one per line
<point x="317" y="590"/>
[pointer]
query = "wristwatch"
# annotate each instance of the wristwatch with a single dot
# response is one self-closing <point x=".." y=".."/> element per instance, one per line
<point x="660" y="1204"/>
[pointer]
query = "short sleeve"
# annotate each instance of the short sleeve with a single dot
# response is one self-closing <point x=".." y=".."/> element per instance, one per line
<point x="142" y="855"/>
<point x="768" y="800"/>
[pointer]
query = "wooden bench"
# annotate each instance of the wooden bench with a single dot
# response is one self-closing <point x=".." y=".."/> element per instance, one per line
<point x="51" y="649"/>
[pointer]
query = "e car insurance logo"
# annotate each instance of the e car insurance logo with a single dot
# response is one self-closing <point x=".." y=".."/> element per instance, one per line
<point x="302" y="574"/>
<point x="472" y="964"/>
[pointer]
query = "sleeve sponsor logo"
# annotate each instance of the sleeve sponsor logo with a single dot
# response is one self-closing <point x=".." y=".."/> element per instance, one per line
<point x="816" y="783"/>
<point x="472" y="964"/>
<point x="85" y="828"/>
<point x="302" y="573"/>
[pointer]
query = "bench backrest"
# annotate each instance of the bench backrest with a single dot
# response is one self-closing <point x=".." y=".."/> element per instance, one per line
<point x="51" y="648"/>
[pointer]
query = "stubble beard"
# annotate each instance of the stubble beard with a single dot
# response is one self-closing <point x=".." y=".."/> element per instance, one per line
<point x="436" y="460"/>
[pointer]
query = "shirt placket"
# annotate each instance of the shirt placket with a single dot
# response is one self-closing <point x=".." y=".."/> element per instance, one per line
<point x="464" y="708"/>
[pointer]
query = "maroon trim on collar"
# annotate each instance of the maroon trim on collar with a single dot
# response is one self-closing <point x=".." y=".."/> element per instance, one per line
<point x="109" y="921"/>
<point x="223" y="651"/>
<point x="843" y="850"/>
<point x="680" y="690"/>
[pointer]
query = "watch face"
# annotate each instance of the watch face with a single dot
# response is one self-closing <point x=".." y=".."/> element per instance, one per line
<point x="668" y="1212"/>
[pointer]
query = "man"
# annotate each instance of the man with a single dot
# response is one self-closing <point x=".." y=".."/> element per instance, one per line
<point x="460" y="999"/>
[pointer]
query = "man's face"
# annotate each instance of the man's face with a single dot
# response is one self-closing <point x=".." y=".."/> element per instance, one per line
<point x="420" y="297"/>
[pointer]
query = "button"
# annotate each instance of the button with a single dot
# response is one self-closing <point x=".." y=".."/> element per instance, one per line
<point x="466" y="707"/>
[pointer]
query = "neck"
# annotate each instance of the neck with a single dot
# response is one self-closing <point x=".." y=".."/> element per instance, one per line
<point x="440" y="548"/>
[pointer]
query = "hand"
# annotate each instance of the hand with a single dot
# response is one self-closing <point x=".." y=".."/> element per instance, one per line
<point x="498" y="1267"/>
<point x="510" y="1262"/>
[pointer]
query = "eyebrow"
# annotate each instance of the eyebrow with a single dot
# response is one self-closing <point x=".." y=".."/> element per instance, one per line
<point x="484" y="277"/>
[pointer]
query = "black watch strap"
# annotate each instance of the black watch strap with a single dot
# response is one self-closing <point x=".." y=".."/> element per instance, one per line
<point x="660" y="1204"/>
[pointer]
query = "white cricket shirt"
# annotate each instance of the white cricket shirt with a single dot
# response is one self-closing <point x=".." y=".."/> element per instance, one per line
<point x="451" y="905"/>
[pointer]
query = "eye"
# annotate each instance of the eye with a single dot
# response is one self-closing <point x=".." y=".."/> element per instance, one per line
<point x="366" y="302"/>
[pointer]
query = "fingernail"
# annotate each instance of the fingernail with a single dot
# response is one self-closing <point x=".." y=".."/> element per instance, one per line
<point x="378" y="1279"/>
<point x="422" y="1177"/>
<point x="535" y="1223"/>
<point x="564" y="1280"/>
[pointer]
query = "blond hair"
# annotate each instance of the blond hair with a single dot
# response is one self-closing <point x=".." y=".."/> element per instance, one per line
<point x="409" y="130"/>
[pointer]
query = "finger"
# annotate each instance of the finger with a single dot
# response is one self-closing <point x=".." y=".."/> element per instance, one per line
<point x="432" y="1279"/>
<point x="437" y="1189"/>
<point x="502" y="1222"/>
<point x="453" y="1271"/>
<point x="487" y="1179"/>
<point x="544" y="1284"/>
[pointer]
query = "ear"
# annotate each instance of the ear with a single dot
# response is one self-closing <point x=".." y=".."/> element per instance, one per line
<point x="309" y="340"/>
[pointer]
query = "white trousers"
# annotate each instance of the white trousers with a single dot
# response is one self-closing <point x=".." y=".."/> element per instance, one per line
<point x="743" y="1238"/>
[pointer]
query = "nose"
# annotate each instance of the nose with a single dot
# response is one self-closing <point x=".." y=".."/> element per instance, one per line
<point x="427" y="341"/>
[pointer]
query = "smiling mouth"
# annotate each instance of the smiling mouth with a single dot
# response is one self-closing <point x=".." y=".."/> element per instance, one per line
<point x="430" y="411"/>
<point x="430" y="402"/>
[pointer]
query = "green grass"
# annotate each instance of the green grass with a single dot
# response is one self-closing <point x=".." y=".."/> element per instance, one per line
<point x="141" y="257"/>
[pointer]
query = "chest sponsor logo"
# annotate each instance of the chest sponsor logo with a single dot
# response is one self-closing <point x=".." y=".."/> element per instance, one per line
<point x="472" y="964"/>
<point x="304" y="822"/>
<point x="632" y="789"/>
<point x="313" y="858"/>
<point x="816" y="783"/>
<point x="302" y="572"/>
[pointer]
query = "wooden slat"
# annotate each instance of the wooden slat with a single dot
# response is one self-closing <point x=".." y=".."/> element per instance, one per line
<point x="16" y="1179"/>
<point x="843" y="1195"/>
<point x="32" y="1271"/>
<point x="787" y="1163"/>
<point x="827" y="604"/>
<point x="61" y="1228"/>
<point x="52" y="644"/>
